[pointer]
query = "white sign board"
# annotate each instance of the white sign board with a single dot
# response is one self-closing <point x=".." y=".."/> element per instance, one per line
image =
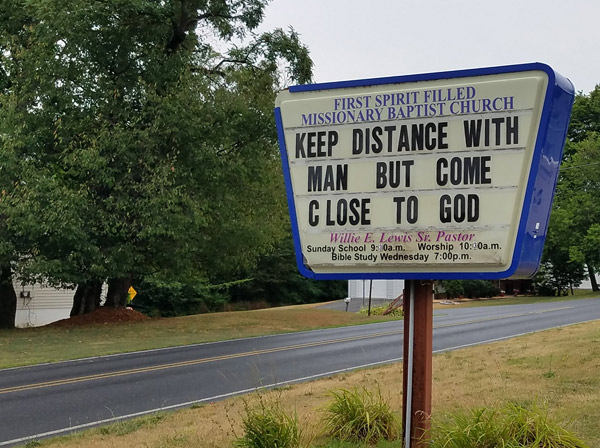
<point x="425" y="176"/>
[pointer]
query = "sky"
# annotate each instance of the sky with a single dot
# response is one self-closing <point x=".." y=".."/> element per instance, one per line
<point x="356" y="39"/>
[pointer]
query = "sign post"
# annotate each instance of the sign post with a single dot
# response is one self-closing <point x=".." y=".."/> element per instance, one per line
<point x="417" y="372"/>
<point x="436" y="176"/>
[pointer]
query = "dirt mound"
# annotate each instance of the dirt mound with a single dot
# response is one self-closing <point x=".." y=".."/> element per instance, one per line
<point x="101" y="316"/>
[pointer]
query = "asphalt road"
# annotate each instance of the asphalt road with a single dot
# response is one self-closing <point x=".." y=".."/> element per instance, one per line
<point x="53" y="399"/>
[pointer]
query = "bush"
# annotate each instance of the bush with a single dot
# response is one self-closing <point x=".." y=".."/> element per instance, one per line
<point x="533" y="428"/>
<point x="479" y="288"/>
<point x="514" y="426"/>
<point x="276" y="279"/>
<point x="453" y="288"/>
<point x="268" y="426"/>
<point x="170" y="298"/>
<point x="380" y="309"/>
<point x="360" y="415"/>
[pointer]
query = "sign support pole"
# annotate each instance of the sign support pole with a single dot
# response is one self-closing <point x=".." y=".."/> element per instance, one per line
<point x="418" y="380"/>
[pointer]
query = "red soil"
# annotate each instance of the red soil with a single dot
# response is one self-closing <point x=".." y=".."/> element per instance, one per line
<point x="101" y="316"/>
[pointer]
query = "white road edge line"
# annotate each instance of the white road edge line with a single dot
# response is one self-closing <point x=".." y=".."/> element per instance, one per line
<point x="268" y="386"/>
<point x="190" y="403"/>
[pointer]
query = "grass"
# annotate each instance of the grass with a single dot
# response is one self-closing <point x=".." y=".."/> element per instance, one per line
<point x="380" y="309"/>
<point x="361" y="415"/>
<point x="488" y="376"/>
<point x="46" y="344"/>
<point x="512" y="426"/>
<point x="267" y="425"/>
<point x="523" y="300"/>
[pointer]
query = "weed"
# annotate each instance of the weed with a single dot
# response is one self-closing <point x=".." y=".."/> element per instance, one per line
<point x="360" y="415"/>
<point x="124" y="427"/>
<point x="510" y="427"/>
<point x="33" y="444"/>
<point x="531" y="427"/>
<point x="380" y="309"/>
<point x="268" y="426"/>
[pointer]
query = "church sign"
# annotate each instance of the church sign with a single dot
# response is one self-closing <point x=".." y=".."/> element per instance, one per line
<point x="435" y="176"/>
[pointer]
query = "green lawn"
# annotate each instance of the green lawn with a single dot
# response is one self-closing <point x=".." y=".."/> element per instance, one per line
<point x="47" y="344"/>
<point x="523" y="300"/>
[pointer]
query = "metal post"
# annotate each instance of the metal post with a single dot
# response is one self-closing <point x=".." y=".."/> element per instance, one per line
<point x="417" y="378"/>
<point x="409" y="358"/>
<point x="370" y="291"/>
<point x="364" y="293"/>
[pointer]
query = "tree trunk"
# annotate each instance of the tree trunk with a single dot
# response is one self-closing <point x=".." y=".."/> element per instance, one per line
<point x="77" y="309"/>
<point x="118" y="291"/>
<point x="8" y="298"/>
<point x="86" y="298"/>
<point x="592" y="275"/>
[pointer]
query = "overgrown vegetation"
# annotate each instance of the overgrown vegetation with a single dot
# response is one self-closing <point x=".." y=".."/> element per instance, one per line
<point x="380" y="309"/>
<point x="513" y="426"/>
<point x="361" y="415"/>
<point x="267" y="425"/>
<point x="143" y="132"/>
<point x="274" y="281"/>
<point x="469" y="288"/>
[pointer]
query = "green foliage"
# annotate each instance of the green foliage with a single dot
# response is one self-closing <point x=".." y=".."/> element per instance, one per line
<point x="453" y="288"/>
<point x="33" y="444"/>
<point x="360" y="415"/>
<point x="470" y="288"/>
<point x="380" y="309"/>
<point x="571" y="241"/>
<point x="479" y="288"/>
<point x="585" y="117"/>
<point x="124" y="427"/>
<point x="167" y="298"/>
<point x="514" y="426"/>
<point x="268" y="426"/>
<point x="277" y="280"/>
<point x="143" y="132"/>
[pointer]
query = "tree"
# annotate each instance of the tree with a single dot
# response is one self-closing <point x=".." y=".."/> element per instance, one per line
<point x="277" y="280"/>
<point x="157" y="149"/>
<point x="453" y="288"/>
<point x="559" y="271"/>
<point x="576" y="208"/>
<point x="585" y="117"/>
<point x="576" y="198"/>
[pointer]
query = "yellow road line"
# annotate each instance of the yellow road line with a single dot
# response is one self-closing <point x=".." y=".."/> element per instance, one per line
<point x="119" y="373"/>
<point x="189" y="363"/>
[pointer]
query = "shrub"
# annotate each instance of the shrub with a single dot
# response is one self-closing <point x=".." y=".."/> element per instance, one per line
<point x="380" y="309"/>
<point x="268" y="426"/>
<point x="480" y="428"/>
<point x="479" y="288"/>
<point x="513" y="426"/>
<point x="532" y="428"/>
<point x="360" y="415"/>
<point x="158" y="297"/>
<point x="453" y="288"/>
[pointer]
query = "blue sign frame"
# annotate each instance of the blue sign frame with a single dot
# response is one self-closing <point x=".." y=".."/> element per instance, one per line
<point x="541" y="184"/>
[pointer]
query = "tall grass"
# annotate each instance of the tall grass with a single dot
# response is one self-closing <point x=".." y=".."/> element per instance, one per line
<point x="360" y="415"/>
<point x="268" y="426"/>
<point x="378" y="310"/>
<point x="513" y="426"/>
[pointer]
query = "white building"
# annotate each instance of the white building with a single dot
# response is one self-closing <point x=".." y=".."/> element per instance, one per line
<point x="40" y="304"/>
<point x="382" y="289"/>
